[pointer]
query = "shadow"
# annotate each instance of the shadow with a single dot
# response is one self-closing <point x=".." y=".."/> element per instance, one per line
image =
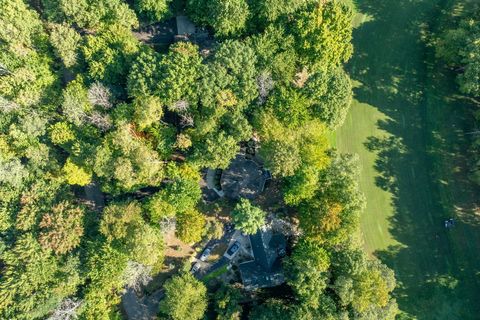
<point x="422" y="160"/>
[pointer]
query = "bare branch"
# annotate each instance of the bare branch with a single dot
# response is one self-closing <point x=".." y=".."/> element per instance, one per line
<point x="186" y="120"/>
<point x="137" y="275"/>
<point x="66" y="310"/>
<point x="100" y="121"/>
<point x="265" y="85"/>
<point x="180" y="106"/>
<point x="7" y="106"/>
<point x="100" y="95"/>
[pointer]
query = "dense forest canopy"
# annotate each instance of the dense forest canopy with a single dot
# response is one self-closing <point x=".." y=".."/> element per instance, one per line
<point x="459" y="48"/>
<point x="84" y="102"/>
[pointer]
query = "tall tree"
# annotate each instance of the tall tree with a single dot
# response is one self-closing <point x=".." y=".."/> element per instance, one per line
<point x="247" y="217"/>
<point x="324" y="33"/>
<point x="307" y="271"/>
<point x="153" y="10"/>
<point x="185" y="298"/>
<point x="62" y="228"/>
<point x="227" y="17"/>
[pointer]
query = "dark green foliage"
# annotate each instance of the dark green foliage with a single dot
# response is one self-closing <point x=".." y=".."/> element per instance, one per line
<point x="272" y="309"/>
<point x="108" y="55"/>
<point x="227" y="305"/>
<point x="153" y="10"/>
<point x="290" y="106"/>
<point x="275" y="53"/>
<point x="459" y="48"/>
<point x="217" y="151"/>
<point x="90" y="14"/>
<point x="331" y="96"/>
<point x="227" y="17"/>
<point x="307" y="271"/>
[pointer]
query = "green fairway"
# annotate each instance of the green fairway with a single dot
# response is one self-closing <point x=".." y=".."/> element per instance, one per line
<point x="406" y="126"/>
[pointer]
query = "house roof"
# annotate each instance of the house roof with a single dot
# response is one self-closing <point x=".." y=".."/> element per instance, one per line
<point x="266" y="269"/>
<point x="243" y="178"/>
<point x="254" y="276"/>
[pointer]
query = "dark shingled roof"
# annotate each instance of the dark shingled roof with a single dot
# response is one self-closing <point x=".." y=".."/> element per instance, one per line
<point x="243" y="178"/>
<point x="266" y="269"/>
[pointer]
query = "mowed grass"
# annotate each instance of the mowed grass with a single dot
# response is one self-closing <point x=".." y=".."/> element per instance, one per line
<point x="406" y="124"/>
<point x="360" y="124"/>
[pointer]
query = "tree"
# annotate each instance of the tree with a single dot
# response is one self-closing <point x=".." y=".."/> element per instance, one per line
<point x="185" y="298"/>
<point x="147" y="111"/>
<point x="93" y="15"/>
<point x="61" y="133"/>
<point x="272" y="309"/>
<point x="153" y="10"/>
<point x="120" y="220"/>
<point x="307" y="271"/>
<point x="109" y="54"/>
<point x="105" y="271"/>
<point x="247" y="217"/>
<point x="21" y="27"/>
<point x="66" y="310"/>
<point x="459" y="48"/>
<point x="214" y="229"/>
<point x="137" y="275"/>
<point x="331" y="215"/>
<point x="190" y="226"/>
<point x="34" y="281"/>
<point x="238" y="59"/>
<point x="331" y="96"/>
<point x="144" y="73"/>
<point x="62" y="228"/>
<point x="372" y="287"/>
<point x="282" y="158"/>
<point x="65" y="41"/>
<point x="324" y="32"/>
<point x="216" y="152"/>
<point x="179" y="72"/>
<point x="227" y="306"/>
<point x="126" y="160"/>
<point x="290" y="106"/>
<point x="227" y="17"/>
<point x="271" y="10"/>
<point x="75" y="104"/>
<point x="100" y="95"/>
<point x="75" y="174"/>
<point x="275" y="52"/>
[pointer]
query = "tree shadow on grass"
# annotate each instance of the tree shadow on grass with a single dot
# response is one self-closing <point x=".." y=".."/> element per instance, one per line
<point x="437" y="269"/>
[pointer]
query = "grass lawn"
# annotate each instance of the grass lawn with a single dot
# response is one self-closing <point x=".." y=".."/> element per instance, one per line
<point x="406" y="125"/>
<point x="215" y="274"/>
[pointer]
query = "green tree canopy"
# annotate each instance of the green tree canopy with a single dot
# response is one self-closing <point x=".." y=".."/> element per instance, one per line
<point x="333" y="212"/>
<point x="324" y="33"/>
<point x="331" y="95"/>
<point x="307" y="271"/>
<point x="247" y="217"/>
<point x="227" y="306"/>
<point x="227" y="17"/>
<point x="153" y="10"/>
<point x="185" y="298"/>
<point x="190" y="226"/>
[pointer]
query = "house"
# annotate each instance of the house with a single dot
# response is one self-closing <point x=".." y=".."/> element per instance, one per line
<point x="265" y="270"/>
<point x="243" y="178"/>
